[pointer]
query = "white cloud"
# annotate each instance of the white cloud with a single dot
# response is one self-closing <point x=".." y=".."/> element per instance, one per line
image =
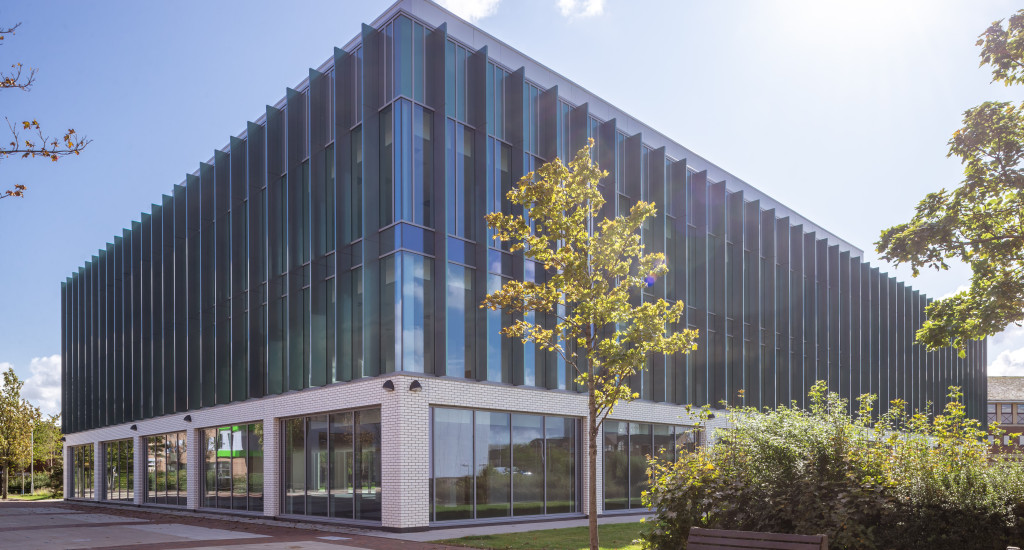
<point x="581" y="8"/>
<point x="1008" y="363"/>
<point x="1006" y="352"/>
<point x="42" y="387"/>
<point x="957" y="290"/>
<point x="471" y="10"/>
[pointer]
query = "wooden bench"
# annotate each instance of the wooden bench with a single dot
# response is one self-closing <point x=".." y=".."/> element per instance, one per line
<point x="719" y="539"/>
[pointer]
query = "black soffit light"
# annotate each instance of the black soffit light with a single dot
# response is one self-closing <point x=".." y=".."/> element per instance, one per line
<point x="389" y="385"/>
<point x="188" y="418"/>
<point x="134" y="428"/>
<point x="415" y="386"/>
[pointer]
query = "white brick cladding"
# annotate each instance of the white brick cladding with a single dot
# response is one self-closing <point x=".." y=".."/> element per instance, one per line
<point x="405" y="445"/>
<point x="271" y="467"/>
<point x="193" y="467"/>
<point x="139" y="472"/>
<point x="99" y="469"/>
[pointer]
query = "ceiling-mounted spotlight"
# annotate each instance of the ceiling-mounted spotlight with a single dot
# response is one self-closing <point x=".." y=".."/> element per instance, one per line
<point x="188" y="418"/>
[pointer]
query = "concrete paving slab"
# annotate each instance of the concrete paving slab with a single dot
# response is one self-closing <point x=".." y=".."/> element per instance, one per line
<point x="295" y="545"/>
<point x="62" y="519"/>
<point x="12" y="510"/>
<point x="458" y="532"/>
<point x="83" y="536"/>
<point x="194" y="532"/>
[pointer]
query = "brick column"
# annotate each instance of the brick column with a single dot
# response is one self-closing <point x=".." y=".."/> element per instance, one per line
<point x="405" y="454"/>
<point x="272" y="478"/>
<point x="140" y="469"/>
<point x="193" y="468"/>
<point x="99" y="466"/>
<point x="68" y="465"/>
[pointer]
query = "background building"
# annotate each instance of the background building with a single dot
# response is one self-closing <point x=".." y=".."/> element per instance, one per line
<point x="1006" y="406"/>
<point x="294" y="329"/>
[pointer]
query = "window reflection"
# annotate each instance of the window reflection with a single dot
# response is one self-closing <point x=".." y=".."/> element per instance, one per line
<point x="233" y="467"/>
<point x="626" y="448"/>
<point x="492" y="464"/>
<point x="82" y="479"/>
<point x="494" y="469"/>
<point x="119" y="475"/>
<point x="461" y="307"/>
<point x="166" y="456"/>
<point x="407" y="319"/>
<point x="406" y="164"/>
<point x="332" y="465"/>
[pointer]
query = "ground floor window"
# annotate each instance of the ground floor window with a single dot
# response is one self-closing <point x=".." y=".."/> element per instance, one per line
<point x="233" y="467"/>
<point x="82" y="480"/>
<point x="332" y="465"/>
<point x="493" y="464"/>
<point x="166" y="474"/>
<point x="119" y="477"/>
<point x="626" y="448"/>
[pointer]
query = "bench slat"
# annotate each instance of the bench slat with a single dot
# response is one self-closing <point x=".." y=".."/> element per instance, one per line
<point x="724" y="542"/>
<point x="721" y="539"/>
<point x="755" y="535"/>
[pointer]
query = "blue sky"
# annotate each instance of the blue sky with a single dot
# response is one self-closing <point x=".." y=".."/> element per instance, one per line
<point x="840" y="110"/>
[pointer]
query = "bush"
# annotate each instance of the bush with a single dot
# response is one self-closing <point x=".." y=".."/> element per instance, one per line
<point x="14" y="482"/>
<point x="900" y="482"/>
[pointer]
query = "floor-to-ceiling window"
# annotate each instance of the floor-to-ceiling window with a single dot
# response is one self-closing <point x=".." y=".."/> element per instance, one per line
<point x="166" y="473"/>
<point x="487" y="464"/>
<point x="332" y="465"/>
<point x="233" y="467"/>
<point x="82" y="471"/>
<point x="119" y="476"/>
<point x="626" y="448"/>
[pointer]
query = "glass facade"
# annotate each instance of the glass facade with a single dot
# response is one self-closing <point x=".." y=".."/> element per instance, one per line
<point x="119" y="478"/>
<point x="626" y="448"/>
<point x="233" y="467"/>
<point x="166" y="471"/>
<point x="342" y="236"/>
<point x="488" y="464"/>
<point x="82" y="461"/>
<point x="407" y="309"/>
<point x="332" y="465"/>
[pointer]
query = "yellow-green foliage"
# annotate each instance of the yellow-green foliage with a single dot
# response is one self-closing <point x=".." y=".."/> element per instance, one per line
<point x="891" y="481"/>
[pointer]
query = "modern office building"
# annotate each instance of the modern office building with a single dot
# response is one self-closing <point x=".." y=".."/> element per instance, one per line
<point x="294" y="329"/>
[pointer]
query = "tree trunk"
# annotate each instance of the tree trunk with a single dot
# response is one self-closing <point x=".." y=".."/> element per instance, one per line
<point x="6" y="469"/>
<point x="592" y="489"/>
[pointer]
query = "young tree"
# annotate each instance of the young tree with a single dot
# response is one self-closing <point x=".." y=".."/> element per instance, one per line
<point x="16" y="419"/>
<point x="981" y="222"/>
<point x="27" y="137"/>
<point x="596" y="270"/>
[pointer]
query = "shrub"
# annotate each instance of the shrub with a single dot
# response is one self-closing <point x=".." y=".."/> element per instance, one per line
<point x="899" y="482"/>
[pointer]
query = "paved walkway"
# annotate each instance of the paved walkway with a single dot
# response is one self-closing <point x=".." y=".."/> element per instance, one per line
<point x="57" y="524"/>
<point x="458" y="532"/>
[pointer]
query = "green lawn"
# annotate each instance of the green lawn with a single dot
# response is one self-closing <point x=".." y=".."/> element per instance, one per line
<point x="617" y="536"/>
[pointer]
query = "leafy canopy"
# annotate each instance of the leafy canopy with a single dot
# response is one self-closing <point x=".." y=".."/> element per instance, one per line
<point x="981" y="222"/>
<point x="597" y="269"/>
<point x="17" y="417"/>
